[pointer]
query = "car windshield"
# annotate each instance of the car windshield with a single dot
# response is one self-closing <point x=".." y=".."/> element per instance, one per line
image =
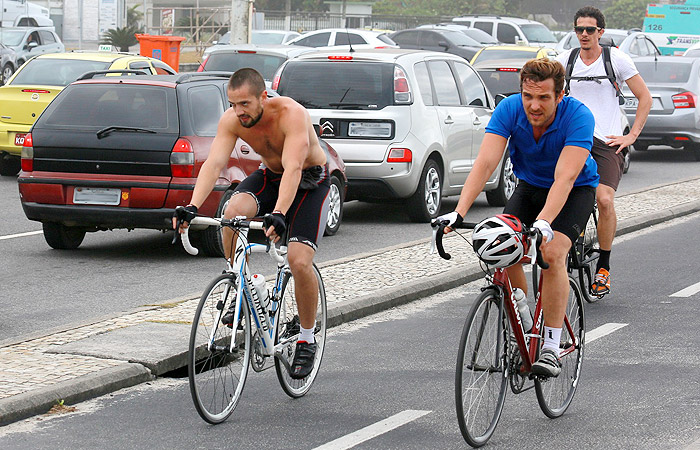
<point x="537" y="33"/>
<point x="113" y="105"/>
<point x="695" y="52"/>
<point x="11" y="38"/>
<point x="56" y="72"/>
<point x="338" y="85"/>
<point x="501" y="82"/>
<point x="386" y="39"/>
<point x="231" y="62"/>
<point x="506" y="53"/>
<point x="480" y="36"/>
<point x="666" y="72"/>
<point x="258" y="37"/>
<point x="459" y="38"/>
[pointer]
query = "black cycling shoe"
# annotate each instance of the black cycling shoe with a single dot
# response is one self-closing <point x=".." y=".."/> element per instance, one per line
<point x="303" y="364"/>
<point x="227" y="318"/>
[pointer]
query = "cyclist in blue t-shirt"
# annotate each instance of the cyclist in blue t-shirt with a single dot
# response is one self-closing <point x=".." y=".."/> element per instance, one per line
<point x="550" y="147"/>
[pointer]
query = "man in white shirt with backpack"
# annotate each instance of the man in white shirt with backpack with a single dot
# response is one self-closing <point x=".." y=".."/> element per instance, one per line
<point x="594" y="75"/>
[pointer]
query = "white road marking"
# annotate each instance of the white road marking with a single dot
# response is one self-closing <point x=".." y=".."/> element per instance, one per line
<point x="374" y="430"/>
<point x="687" y="292"/>
<point x="603" y="330"/>
<point x="10" y="236"/>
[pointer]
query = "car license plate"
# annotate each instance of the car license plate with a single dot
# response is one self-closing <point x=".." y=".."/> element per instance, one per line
<point x="631" y="103"/>
<point x="96" y="196"/>
<point x="19" y="139"/>
<point x="369" y="129"/>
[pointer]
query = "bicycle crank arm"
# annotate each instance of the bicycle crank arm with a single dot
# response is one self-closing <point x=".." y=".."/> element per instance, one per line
<point x="285" y="363"/>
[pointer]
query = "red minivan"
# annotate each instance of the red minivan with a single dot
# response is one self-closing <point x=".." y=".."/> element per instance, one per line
<point x="124" y="151"/>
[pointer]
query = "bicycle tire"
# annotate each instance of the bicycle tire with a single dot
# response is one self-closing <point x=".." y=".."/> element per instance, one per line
<point x="478" y="415"/>
<point x="288" y="326"/>
<point x="217" y="377"/>
<point x="554" y="394"/>
<point x="589" y="253"/>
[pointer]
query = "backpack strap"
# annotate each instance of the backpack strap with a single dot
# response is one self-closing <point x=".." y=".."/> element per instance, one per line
<point x="570" y="67"/>
<point x="609" y="70"/>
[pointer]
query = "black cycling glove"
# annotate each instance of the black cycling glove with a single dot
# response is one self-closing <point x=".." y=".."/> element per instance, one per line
<point x="185" y="214"/>
<point x="277" y="220"/>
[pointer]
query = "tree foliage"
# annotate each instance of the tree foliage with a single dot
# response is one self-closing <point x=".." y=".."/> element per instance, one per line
<point x="134" y="18"/>
<point x="625" y="14"/>
<point x="122" y="38"/>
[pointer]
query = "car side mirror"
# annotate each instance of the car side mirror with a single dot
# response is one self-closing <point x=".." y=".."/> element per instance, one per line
<point x="214" y="42"/>
<point x="32" y="45"/>
<point x="444" y="44"/>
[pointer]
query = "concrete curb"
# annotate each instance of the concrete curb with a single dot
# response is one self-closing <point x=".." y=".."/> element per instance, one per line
<point x="83" y="388"/>
<point x="129" y="374"/>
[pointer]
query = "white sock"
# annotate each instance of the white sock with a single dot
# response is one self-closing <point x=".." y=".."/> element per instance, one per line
<point x="551" y="338"/>
<point x="308" y="335"/>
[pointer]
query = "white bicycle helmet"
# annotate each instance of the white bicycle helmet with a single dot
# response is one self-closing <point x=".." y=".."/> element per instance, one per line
<point x="498" y="240"/>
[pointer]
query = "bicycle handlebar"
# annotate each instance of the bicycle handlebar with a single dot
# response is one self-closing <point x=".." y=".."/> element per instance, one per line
<point x="222" y="222"/>
<point x="439" y="232"/>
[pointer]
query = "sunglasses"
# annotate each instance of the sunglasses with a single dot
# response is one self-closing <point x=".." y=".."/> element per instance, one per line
<point x="589" y="30"/>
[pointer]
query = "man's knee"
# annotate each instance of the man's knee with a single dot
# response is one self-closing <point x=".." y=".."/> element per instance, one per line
<point x="555" y="252"/>
<point x="241" y="204"/>
<point x="300" y="257"/>
<point x="605" y="196"/>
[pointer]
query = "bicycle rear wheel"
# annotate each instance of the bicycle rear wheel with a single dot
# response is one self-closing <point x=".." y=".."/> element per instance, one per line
<point x="555" y="394"/>
<point x="481" y="377"/>
<point x="217" y="374"/>
<point x="288" y="330"/>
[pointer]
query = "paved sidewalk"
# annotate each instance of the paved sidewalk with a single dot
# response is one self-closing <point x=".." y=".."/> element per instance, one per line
<point x="92" y="360"/>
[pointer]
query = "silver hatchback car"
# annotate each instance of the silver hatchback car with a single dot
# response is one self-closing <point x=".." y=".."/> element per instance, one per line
<point x="407" y="123"/>
<point x="674" y="119"/>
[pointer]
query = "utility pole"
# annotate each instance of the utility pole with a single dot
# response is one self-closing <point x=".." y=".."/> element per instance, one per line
<point x="240" y="21"/>
<point x="288" y="15"/>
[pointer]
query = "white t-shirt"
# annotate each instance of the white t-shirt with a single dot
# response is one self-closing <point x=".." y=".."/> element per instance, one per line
<point x="601" y="98"/>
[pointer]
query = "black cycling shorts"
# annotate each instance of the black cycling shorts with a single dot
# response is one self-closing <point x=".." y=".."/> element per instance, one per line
<point x="527" y="202"/>
<point x="307" y="217"/>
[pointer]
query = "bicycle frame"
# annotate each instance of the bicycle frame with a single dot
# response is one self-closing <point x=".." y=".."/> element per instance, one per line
<point x="265" y="324"/>
<point x="528" y="348"/>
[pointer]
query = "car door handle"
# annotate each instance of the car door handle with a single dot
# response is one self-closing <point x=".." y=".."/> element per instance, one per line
<point x="477" y="121"/>
<point x="448" y="120"/>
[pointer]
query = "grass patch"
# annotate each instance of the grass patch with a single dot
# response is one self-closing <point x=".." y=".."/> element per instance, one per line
<point x="60" y="408"/>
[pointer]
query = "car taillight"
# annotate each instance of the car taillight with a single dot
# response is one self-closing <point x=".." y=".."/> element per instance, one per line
<point x="402" y="90"/>
<point x="28" y="153"/>
<point x="399" y="155"/>
<point x="182" y="159"/>
<point x="507" y="69"/>
<point x="340" y="58"/>
<point x="275" y="82"/>
<point x="684" y="100"/>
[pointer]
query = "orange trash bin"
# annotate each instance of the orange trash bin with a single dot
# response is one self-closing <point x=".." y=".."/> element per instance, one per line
<point x="165" y="48"/>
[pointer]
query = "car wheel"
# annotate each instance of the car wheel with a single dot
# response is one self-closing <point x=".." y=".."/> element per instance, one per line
<point x="61" y="237"/>
<point x="7" y="72"/>
<point x="506" y="185"/>
<point x="209" y="239"/>
<point x="626" y="153"/>
<point x="335" y="206"/>
<point x="9" y="165"/>
<point x="425" y="203"/>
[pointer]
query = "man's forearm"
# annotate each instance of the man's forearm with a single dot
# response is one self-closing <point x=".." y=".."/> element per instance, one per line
<point x="206" y="180"/>
<point x="289" y="184"/>
<point x="640" y="118"/>
<point x="558" y="194"/>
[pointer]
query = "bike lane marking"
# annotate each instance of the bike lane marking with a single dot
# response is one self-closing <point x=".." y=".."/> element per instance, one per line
<point x="603" y="330"/>
<point x="374" y="430"/>
<point x="687" y="292"/>
<point x="29" y="233"/>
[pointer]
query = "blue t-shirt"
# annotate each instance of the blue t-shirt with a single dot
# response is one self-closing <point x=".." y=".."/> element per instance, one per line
<point x="534" y="162"/>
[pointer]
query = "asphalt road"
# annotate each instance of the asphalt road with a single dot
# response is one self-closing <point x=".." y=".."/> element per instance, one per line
<point x="112" y="272"/>
<point x="638" y="389"/>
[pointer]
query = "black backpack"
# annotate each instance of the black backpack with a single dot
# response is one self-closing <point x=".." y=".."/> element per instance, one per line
<point x="609" y="73"/>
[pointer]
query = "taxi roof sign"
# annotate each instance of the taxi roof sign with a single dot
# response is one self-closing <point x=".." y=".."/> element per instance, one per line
<point x="105" y="48"/>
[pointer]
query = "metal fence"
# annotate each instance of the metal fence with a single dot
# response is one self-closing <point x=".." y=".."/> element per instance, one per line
<point x="202" y="26"/>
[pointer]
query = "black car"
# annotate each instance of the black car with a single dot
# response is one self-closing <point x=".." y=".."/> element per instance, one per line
<point x="438" y="40"/>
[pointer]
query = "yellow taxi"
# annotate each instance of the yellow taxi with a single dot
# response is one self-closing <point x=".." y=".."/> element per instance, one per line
<point x="30" y="90"/>
<point x="511" y="52"/>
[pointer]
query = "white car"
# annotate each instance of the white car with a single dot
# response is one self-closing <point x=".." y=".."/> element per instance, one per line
<point x="342" y="38"/>
<point x="693" y="50"/>
<point x="571" y="41"/>
<point x="407" y="123"/>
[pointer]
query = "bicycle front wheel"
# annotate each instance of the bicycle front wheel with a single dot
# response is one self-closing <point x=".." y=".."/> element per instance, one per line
<point x="288" y="330"/>
<point x="555" y="394"/>
<point x="217" y="370"/>
<point x="482" y="376"/>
